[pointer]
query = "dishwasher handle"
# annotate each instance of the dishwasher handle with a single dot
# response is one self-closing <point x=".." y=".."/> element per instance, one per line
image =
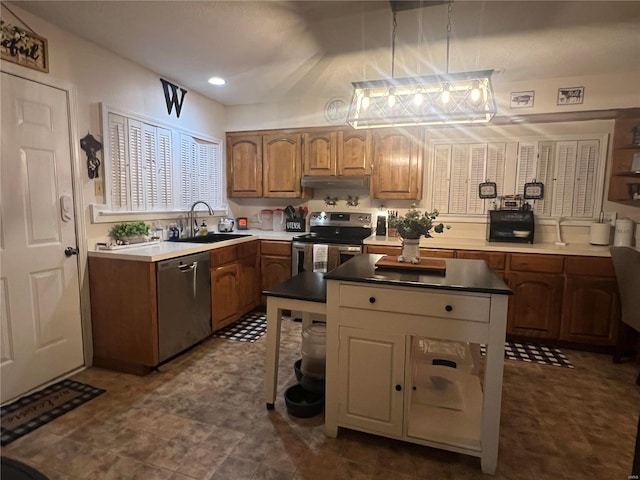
<point x="194" y="269"/>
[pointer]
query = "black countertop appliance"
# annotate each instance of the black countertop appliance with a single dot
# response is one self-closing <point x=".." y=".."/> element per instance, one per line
<point x="511" y="226"/>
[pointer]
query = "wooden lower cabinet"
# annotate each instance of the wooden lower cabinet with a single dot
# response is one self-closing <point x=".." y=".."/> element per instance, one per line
<point x="275" y="263"/>
<point x="124" y="314"/>
<point x="225" y="298"/>
<point x="591" y="306"/>
<point x="234" y="282"/>
<point x="535" y="308"/>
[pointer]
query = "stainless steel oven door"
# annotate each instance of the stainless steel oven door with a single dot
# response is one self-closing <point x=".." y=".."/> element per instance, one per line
<point x="297" y="255"/>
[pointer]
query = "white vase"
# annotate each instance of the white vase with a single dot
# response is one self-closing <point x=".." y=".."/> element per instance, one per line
<point x="410" y="250"/>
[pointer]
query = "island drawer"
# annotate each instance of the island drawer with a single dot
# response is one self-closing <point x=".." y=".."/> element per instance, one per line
<point x="469" y="306"/>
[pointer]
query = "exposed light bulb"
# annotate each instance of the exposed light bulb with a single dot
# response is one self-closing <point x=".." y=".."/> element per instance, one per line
<point x="365" y="101"/>
<point x="392" y="97"/>
<point x="418" y="98"/>
<point x="446" y="93"/>
<point x="475" y="92"/>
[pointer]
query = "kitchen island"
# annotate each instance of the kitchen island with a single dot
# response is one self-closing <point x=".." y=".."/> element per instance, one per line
<point x="401" y="354"/>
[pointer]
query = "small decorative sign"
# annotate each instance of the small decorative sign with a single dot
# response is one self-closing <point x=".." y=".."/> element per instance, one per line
<point x="488" y="190"/>
<point x="23" y="47"/>
<point x="522" y="99"/>
<point x="295" y="226"/>
<point x="570" y="95"/>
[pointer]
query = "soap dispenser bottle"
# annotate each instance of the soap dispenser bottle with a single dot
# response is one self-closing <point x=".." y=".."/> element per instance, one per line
<point x="203" y="229"/>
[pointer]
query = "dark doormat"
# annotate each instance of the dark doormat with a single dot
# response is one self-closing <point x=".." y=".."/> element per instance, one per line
<point x="248" y="329"/>
<point x="30" y="412"/>
<point x="528" y="352"/>
<point x="11" y="469"/>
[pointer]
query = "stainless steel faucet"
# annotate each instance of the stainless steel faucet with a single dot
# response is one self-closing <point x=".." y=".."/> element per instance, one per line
<point x="192" y="229"/>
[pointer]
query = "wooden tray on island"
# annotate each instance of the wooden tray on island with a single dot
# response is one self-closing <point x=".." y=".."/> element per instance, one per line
<point x="431" y="265"/>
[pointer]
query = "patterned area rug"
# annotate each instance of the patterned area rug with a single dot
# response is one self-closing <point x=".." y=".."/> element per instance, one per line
<point x="248" y="329"/>
<point x="527" y="352"/>
<point x="30" y="412"/>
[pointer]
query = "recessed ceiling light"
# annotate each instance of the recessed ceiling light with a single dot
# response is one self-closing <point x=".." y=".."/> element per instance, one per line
<point x="217" y="81"/>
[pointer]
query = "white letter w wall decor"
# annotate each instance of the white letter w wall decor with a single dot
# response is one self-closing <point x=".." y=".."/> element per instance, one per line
<point x="172" y="97"/>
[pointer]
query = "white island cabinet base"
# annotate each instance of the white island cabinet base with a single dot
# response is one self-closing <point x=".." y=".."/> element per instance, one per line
<point x="381" y="320"/>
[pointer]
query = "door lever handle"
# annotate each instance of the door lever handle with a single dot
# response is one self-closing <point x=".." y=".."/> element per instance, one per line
<point x="70" y="251"/>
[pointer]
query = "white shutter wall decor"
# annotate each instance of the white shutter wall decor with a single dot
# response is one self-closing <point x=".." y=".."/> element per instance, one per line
<point x="186" y="177"/>
<point x="217" y="178"/>
<point x="496" y="155"/>
<point x="441" y="165"/>
<point x="477" y="166"/>
<point x="117" y="163"/>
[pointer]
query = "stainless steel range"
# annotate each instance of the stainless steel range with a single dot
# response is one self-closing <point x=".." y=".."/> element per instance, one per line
<point x="346" y="230"/>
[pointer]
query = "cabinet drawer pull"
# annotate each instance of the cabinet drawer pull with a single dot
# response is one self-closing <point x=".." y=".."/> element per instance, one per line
<point x="448" y="308"/>
<point x="372" y="299"/>
<point x="398" y="388"/>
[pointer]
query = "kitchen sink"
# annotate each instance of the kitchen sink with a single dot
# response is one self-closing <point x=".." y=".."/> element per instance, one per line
<point x="212" y="238"/>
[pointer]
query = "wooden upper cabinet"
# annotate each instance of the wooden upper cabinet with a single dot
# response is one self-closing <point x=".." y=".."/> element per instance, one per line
<point x="244" y="166"/>
<point x="319" y="153"/>
<point x="354" y="152"/>
<point x="282" y="165"/>
<point x="397" y="164"/>
<point x="623" y="182"/>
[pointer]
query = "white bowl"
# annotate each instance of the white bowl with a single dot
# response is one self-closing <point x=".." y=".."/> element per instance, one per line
<point x="521" y="233"/>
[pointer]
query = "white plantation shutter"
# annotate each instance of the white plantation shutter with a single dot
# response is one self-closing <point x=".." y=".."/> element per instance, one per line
<point x="477" y="164"/>
<point x="563" y="188"/>
<point x="136" y="162"/>
<point x="458" y="185"/>
<point x="527" y="164"/>
<point x="545" y="175"/>
<point x="496" y="154"/>
<point x="164" y="163"/>
<point x="117" y="164"/>
<point x="441" y="165"/>
<point x="154" y="168"/>
<point x="149" y="155"/>
<point x="585" y="177"/>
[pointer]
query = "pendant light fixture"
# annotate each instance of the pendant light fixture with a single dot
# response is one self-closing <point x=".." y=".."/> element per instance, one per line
<point x="451" y="98"/>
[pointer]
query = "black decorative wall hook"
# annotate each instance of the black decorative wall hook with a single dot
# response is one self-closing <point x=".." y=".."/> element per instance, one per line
<point x="91" y="146"/>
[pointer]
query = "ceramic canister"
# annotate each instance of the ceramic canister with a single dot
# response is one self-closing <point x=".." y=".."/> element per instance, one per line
<point x="600" y="233"/>
<point x="623" y="233"/>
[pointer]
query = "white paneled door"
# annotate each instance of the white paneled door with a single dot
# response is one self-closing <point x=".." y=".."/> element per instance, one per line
<point x="40" y="296"/>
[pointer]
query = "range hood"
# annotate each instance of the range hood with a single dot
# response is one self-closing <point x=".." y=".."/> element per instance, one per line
<point x="343" y="181"/>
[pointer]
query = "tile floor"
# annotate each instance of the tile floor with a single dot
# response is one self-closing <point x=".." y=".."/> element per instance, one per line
<point x="203" y="416"/>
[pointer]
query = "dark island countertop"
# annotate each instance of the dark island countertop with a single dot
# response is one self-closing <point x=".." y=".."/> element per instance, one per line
<point x="461" y="275"/>
<point x="309" y="286"/>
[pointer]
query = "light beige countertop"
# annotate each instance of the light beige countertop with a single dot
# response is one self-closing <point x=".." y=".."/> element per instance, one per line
<point x="482" y="244"/>
<point x="166" y="250"/>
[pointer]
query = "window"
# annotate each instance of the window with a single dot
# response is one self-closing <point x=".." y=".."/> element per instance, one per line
<point x="572" y="171"/>
<point x="154" y="168"/>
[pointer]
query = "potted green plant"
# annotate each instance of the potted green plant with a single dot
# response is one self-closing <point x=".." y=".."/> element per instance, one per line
<point x="129" y="232"/>
<point x="411" y="226"/>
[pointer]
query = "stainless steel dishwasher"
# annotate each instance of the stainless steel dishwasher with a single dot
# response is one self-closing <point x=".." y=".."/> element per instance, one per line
<point x="184" y="303"/>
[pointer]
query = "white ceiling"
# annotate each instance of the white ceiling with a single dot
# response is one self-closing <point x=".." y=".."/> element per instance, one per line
<point x="275" y="50"/>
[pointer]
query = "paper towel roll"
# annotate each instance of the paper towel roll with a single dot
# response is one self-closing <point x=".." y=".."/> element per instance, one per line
<point x="600" y="234"/>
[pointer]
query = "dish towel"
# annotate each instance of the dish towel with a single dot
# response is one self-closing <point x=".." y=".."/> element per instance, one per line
<point x="320" y="258"/>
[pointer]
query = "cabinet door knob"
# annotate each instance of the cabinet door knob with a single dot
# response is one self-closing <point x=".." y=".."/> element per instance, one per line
<point x="398" y="388"/>
<point x="372" y="299"/>
<point x="448" y="308"/>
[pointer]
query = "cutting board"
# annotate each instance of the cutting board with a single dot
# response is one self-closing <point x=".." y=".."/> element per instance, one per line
<point x="426" y="264"/>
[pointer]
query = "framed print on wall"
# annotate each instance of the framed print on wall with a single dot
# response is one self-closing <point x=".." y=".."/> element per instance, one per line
<point x="570" y="95"/>
<point x="522" y="99"/>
